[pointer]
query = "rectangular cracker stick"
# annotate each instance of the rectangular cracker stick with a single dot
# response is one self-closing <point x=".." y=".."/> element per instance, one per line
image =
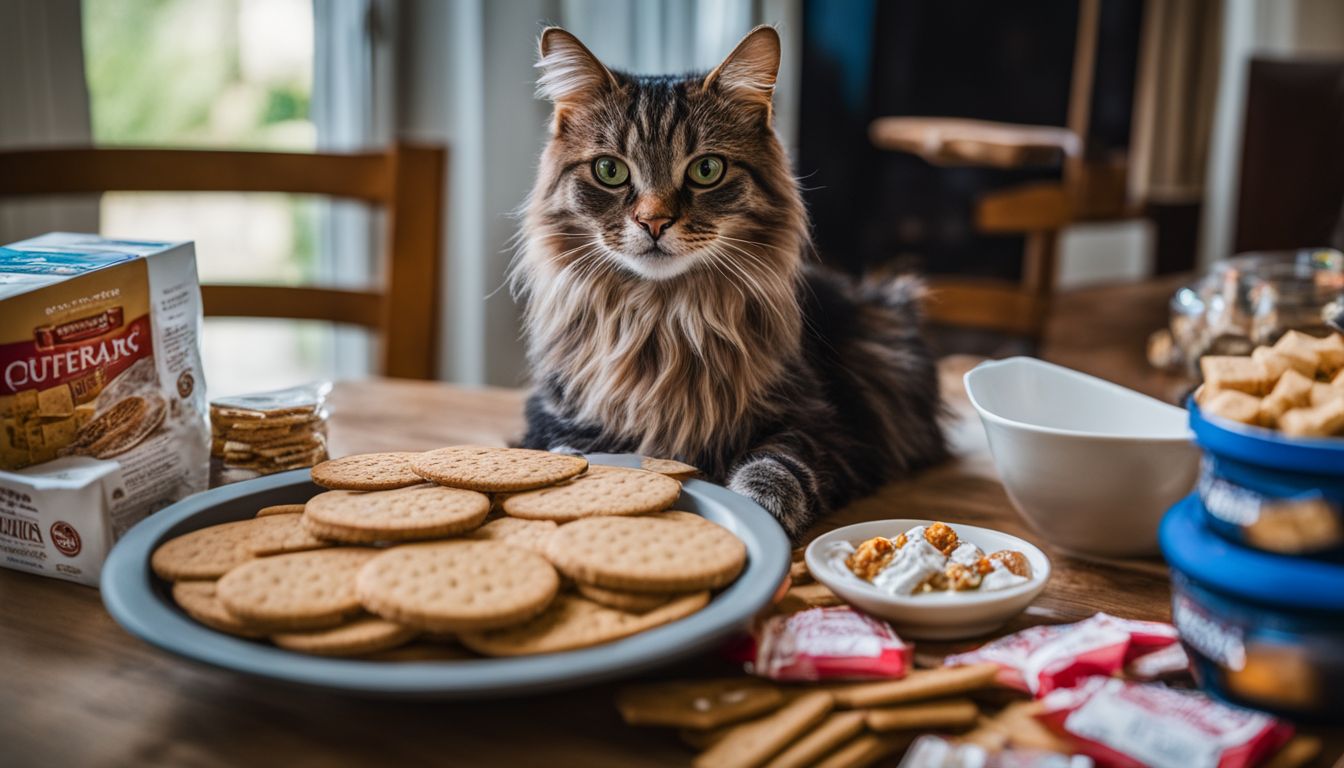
<point x="1018" y="724"/>
<point x="1234" y="405"/>
<point x="934" y="714"/>
<point x="1302" y="348"/>
<point x="698" y="704"/>
<point x="751" y="744"/>
<point x="867" y="749"/>
<point x="1276" y="363"/>
<point x="1320" y="394"/>
<point x="1292" y="391"/>
<point x="1320" y="421"/>
<point x="917" y="686"/>
<point x="835" y="730"/>
<point x="1240" y="373"/>
<point x="1330" y="354"/>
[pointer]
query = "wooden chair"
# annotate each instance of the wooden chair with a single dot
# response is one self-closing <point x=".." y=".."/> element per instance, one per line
<point x="406" y="180"/>
<point x="1036" y="210"/>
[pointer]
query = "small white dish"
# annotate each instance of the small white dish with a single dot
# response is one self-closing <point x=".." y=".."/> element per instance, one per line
<point x="1091" y="465"/>
<point x="931" y="615"/>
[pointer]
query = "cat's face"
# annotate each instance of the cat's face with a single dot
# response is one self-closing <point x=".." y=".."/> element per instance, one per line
<point x="659" y="176"/>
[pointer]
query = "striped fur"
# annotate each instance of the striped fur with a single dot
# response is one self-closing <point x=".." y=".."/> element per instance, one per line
<point x="717" y="342"/>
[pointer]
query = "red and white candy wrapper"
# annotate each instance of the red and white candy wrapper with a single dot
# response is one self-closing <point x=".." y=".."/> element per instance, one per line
<point x="1120" y="724"/>
<point x="1040" y="659"/>
<point x="829" y="644"/>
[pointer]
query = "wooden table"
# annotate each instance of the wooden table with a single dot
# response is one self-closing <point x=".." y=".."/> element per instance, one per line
<point x="78" y="690"/>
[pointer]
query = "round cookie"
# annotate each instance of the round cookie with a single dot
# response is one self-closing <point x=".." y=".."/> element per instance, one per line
<point x="363" y="634"/>
<point x="647" y="554"/>
<point x="673" y="469"/>
<point x="420" y="512"/>
<point x="573" y="622"/>
<point x="304" y="590"/>
<point x="452" y="586"/>
<point x="515" y="530"/>
<point x="599" y="491"/>
<point x="200" y="602"/>
<point x="479" y="468"/>
<point x="280" y="509"/>
<point x="367" y="472"/>
<point x="634" y="602"/>
<point x="208" y="553"/>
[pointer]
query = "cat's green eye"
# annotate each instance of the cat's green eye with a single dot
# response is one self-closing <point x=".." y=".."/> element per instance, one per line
<point x="611" y="171"/>
<point x="706" y="170"/>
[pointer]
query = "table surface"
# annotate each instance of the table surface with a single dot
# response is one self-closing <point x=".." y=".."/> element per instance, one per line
<point x="78" y="690"/>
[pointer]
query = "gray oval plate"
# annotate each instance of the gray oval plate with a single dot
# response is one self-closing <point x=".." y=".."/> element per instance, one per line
<point x="141" y="603"/>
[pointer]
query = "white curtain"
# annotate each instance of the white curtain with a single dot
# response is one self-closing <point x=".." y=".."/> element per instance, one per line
<point x="46" y="103"/>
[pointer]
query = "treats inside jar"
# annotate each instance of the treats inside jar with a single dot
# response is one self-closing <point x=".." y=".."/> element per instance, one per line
<point x="934" y="558"/>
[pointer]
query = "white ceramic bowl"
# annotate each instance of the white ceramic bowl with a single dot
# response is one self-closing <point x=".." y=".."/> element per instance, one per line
<point x="1091" y="465"/>
<point x="933" y="615"/>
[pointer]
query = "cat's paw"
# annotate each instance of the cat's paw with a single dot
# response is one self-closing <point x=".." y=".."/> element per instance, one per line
<point x="769" y="483"/>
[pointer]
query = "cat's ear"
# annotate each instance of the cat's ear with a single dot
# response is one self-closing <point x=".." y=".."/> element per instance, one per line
<point x="748" y="73"/>
<point x="570" y="73"/>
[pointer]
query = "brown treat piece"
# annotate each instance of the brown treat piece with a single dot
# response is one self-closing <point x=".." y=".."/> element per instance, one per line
<point x="532" y="534"/>
<point x="919" y="685"/>
<point x="1292" y="391"/>
<point x="1014" y="561"/>
<point x="959" y="577"/>
<point x="941" y="537"/>
<point x="280" y="509"/>
<point x="673" y="469"/>
<point x="836" y="729"/>
<point x="814" y="595"/>
<point x="798" y="573"/>
<point x="479" y="468"/>
<point x="360" y="635"/>
<point x="1018" y="726"/>
<point x="1321" y="421"/>
<point x="420" y="512"/>
<point x="645" y="554"/>
<point x="871" y="557"/>
<point x="753" y="743"/>
<point x="1274" y="675"/>
<point x="1338" y="380"/>
<point x="423" y="651"/>
<point x="1299" y="751"/>
<point x="208" y="553"/>
<point x="1238" y="373"/>
<point x="866" y="749"/>
<point x="633" y="602"/>
<point x="1330" y="354"/>
<point x="701" y="740"/>
<point x="454" y="586"/>
<point x="1234" y="405"/>
<point x="1273" y="363"/>
<point x="301" y="590"/>
<point x="1295" y="526"/>
<point x="1321" y="393"/>
<point x="268" y="422"/>
<point x="952" y="713"/>
<point x="200" y="602"/>
<point x="698" y="704"/>
<point x="599" y="491"/>
<point x="573" y="622"/>
<point x="1302" y="348"/>
<point x="296" y="539"/>
<point x="367" y="472"/>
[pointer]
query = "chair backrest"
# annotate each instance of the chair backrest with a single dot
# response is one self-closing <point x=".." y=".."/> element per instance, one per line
<point x="406" y="180"/>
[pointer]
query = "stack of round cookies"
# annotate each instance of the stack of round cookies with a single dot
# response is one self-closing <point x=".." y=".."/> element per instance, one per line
<point x="503" y="551"/>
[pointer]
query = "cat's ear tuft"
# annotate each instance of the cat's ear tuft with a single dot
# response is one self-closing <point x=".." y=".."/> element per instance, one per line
<point x="748" y="73"/>
<point x="570" y="73"/>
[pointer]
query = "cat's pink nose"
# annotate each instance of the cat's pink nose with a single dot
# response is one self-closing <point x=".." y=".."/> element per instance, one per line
<point x="655" y="224"/>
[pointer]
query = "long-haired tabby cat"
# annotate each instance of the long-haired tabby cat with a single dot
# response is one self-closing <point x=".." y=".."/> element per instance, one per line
<point x="671" y="307"/>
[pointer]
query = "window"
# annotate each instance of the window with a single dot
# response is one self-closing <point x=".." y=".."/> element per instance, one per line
<point x="227" y="74"/>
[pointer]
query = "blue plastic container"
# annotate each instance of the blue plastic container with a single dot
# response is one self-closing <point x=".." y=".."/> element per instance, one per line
<point x="1264" y="490"/>
<point x="1262" y="630"/>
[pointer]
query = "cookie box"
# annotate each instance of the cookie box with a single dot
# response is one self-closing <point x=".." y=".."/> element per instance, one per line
<point x="1265" y="490"/>
<point x="1262" y="630"/>
<point x="102" y="400"/>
